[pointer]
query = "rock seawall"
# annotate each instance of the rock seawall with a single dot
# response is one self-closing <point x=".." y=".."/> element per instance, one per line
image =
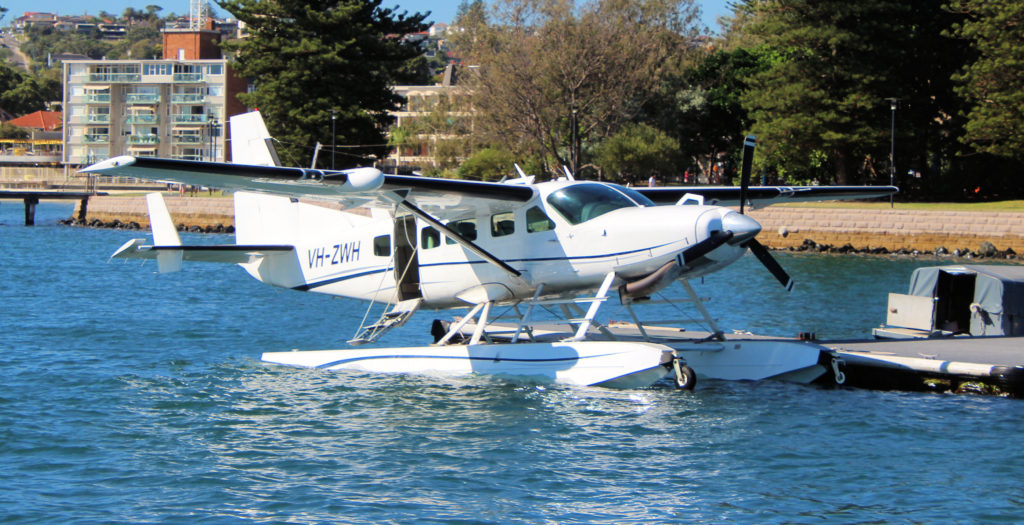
<point x="870" y="230"/>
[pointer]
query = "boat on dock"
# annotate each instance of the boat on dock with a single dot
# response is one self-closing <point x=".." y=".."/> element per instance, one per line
<point x="960" y="328"/>
<point x="957" y="300"/>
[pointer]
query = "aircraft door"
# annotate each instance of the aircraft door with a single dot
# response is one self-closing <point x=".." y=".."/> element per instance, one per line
<point x="407" y="268"/>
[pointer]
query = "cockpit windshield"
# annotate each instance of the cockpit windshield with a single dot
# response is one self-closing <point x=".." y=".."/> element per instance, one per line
<point x="582" y="202"/>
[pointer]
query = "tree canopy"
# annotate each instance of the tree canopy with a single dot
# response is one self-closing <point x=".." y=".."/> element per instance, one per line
<point x="311" y="59"/>
<point x="992" y="83"/>
<point x="541" y="60"/>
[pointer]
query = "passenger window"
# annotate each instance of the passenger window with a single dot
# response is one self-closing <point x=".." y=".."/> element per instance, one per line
<point x="430" y="238"/>
<point x="503" y="224"/>
<point x="538" y="221"/>
<point x="382" y="246"/>
<point x="465" y="228"/>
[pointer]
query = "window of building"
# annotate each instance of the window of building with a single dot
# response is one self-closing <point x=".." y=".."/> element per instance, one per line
<point x="156" y="69"/>
<point x="215" y="69"/>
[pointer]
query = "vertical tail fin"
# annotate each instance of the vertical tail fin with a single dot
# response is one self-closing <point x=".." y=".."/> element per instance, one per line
<point x="251" y="142"/>
<point x="164" y="234"/>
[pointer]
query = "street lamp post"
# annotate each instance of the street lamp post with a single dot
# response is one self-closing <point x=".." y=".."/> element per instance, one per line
<point x="893" y="103"/>
<point x="334" y="120"/>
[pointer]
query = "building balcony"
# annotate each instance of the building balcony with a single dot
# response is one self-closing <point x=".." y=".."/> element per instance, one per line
<point x="188" y="98"/>
<point x="142" y="119"/>
<point x="142" y="98"/>
<point x="188" y="119"/>
<point x="98" y="98"/>
<point x="115" y="77"/>
<point x="188" y="77"/>
<point x="143" y="140"/>
<point x="102" y="118"/>
<point x="186" y="139"/>
<point x="96" y="139"/>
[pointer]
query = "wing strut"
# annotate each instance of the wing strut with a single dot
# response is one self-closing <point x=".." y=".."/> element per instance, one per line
<point x="484" y="254"/>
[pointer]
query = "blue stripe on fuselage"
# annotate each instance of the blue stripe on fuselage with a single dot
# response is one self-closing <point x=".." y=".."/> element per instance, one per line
<point x="309" y="286"/>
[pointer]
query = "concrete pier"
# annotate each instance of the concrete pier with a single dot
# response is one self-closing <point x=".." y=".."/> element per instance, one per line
<point x="31" y="199"/>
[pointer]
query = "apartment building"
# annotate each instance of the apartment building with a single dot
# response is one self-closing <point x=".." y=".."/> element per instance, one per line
<point x="174" y="107"/>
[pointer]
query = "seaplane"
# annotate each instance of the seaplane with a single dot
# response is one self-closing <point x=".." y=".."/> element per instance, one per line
<point x="405" y="243"/>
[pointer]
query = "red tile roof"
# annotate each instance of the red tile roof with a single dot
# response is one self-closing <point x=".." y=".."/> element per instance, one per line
<point x="44" y="120"/>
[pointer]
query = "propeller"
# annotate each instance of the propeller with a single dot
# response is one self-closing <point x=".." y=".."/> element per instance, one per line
<point x="770" y="263"/>
<point x="716" y="239"/>
<point x="756" y="247"/>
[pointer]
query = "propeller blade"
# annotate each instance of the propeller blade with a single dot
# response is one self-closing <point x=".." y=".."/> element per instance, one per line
<point x="770" y="263"/>
<point x="716" y="239"/>
<point x="748" y="159"/>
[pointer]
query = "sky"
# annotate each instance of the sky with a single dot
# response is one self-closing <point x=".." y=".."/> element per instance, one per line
<point x="441" y="10"/>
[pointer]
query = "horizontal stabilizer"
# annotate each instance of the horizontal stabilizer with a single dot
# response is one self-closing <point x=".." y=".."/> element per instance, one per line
<point x="220" y="253"/>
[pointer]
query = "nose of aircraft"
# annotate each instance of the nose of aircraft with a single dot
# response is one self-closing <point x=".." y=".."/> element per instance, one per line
<point x="742" y="226"/>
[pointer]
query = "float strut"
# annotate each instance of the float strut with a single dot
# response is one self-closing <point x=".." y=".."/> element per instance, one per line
<point x="685" y="378"/>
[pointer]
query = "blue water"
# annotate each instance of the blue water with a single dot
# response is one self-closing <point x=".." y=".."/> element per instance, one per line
<point x="132" y="397"/>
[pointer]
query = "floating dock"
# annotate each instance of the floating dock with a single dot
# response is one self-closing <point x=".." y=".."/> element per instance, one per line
<point x="988" y="365"/>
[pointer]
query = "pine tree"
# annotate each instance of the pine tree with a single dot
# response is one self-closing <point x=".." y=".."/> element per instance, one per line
<point x="991" y="84"/>
<point x="307" y="58"/>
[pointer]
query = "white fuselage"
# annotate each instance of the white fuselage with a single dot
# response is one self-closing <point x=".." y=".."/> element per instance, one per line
<point x="356" y="256"/>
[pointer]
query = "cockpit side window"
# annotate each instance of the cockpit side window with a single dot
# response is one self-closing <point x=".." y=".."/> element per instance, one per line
<point x="582" y="202"/>
<point x="538" y="221"/>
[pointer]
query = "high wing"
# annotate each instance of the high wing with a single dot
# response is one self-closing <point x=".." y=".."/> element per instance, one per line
<point x="444" y="198"/>
<point x="761" y="196"/>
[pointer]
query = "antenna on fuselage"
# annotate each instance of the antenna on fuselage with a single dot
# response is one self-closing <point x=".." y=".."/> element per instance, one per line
<point x="568" y="174"/>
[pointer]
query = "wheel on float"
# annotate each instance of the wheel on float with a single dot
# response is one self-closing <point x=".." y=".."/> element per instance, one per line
<point x="685" y="377"/>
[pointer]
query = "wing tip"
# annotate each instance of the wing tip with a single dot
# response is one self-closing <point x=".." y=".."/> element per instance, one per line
<point x="103" y="165"/>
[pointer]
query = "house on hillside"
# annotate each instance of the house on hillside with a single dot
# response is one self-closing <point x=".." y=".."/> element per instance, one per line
<point x="34" y="19"/>
<point x="44" y="136"/>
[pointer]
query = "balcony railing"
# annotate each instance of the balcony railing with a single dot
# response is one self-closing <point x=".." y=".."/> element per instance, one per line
<point x="188" y="98"/>
<point x="142" y="119"/>
<point x="186" y="139"/>
<point x="142" y="98"/>
<point x="143" y="140"/>
<point x="188" y="77"/>
<point x="102" y="118"/>
<point x="115" y="77"/>
<point x="97" y="139"/>
<point x="188" y="119"/>
<point x="97" y="98"/>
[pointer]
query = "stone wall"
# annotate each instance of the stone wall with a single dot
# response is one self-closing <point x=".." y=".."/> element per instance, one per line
<point x="202" y="212"/>
<point x="892" y="229"/>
